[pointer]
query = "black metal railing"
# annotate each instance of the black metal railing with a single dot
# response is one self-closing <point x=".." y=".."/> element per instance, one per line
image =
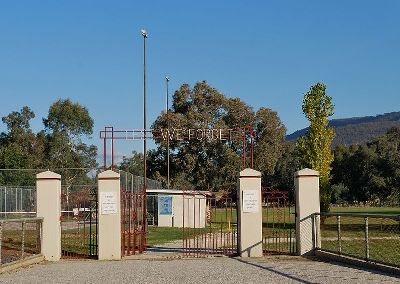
<point x="19" y="239"/>
<point x="370" y="237"/>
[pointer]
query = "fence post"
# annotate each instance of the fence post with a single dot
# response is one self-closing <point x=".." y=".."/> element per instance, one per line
<point x="339" y="235"/>
<point x="1" y="238"/>
<point x="23" y="240"/>
<point x="109" y="216"/>
<point x="249" y="214"/>
<point x="366" y="240"/>
<point x="48" y="200"/>
<point x="307" y="203"/>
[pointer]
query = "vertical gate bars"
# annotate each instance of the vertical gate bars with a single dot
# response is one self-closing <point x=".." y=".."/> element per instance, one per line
<point x="278" y="230"/>
<point x="210" y="225"/>
<point x="133" y="229"/>
<point x="79" y="223"/>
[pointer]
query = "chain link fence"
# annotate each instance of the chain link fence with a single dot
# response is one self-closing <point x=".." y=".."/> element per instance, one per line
<point x="134" y="183"/>
<point x="374" y="238"/>
<point x="17" y="201"/>
<point x="19" y="239"/>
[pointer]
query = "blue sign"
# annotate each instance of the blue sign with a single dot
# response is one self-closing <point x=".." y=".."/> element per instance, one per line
<point x="165" y="205"/>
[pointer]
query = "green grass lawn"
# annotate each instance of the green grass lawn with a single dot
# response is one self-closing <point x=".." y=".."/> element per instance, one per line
<point x="78" y="241"/>
<point x="367" y="210"/>
<point x="380" y="250"/>
<point x="161" y="235"/>
<point x="383" y="234"/>
<point x="12" y="239"/>
<point x="11" y="244"/>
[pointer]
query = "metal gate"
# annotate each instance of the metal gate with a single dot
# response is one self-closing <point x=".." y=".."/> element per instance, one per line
<point x="279" y="223"/>
<point x="79" y="222"/>
<point x="209" y="225"/>
<point x="133" y="222"/>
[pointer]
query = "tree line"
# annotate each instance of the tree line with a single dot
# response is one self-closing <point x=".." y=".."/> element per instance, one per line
<point x="368" y="173"/>
<point x="58" y="146"/>
<point x="358" y="173"/>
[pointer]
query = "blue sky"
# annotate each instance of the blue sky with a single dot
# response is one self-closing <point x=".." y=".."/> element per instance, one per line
<point x="268" y="53"/>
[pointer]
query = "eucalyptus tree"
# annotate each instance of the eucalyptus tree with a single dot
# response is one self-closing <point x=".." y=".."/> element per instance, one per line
<point x="214" y="164"/>
<point x="19" y="148"/>
<point x="66" y="125"/>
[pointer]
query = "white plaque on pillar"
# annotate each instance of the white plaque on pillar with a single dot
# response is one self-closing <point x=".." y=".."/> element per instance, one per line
<point x="108" y="201"/>
<point x="250" y="201"/>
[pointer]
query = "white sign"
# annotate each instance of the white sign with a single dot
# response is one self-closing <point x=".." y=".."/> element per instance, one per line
<point x="108" y="202"/>
<point x="76" y="211"/>
<point x="250" y="201"/>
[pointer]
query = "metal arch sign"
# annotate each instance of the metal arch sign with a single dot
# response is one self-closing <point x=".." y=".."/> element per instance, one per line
<point x="178" y="134"/>
<point x="181" y="134"/>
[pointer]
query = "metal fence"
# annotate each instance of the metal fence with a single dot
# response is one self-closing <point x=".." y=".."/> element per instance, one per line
<point x="374" y="238"/>
<point x="135" y="183"/>
<point x="133" y="217"/>
<point x="17" y="201"/>
<point x="279" y="223"/>
<point x="19" y="238"/>
<point x="79" y="221"/>
<point x="209" y="225"/>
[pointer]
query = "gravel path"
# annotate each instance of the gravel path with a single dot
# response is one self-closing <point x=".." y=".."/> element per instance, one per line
<point x="211" y="270"/>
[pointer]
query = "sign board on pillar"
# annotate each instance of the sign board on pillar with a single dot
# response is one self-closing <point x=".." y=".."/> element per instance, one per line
<point x="108" y="201"/>
<point x="250" y="201"/>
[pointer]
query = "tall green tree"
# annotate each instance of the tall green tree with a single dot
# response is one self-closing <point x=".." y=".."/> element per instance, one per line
<point x="213" y="164"/>
<point x="59" y="146"/>
<point x="18" y="148"/>
<point x="315" y="147"/>
<point x="66" y="125"/>
<point x="269" y="143"/>
<point x="133" y="164"/>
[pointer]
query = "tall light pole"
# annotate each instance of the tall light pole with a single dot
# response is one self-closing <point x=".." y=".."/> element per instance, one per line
<point x="167" y="112"/>
<point x="144" y="34"/>
<point x="144" y="224"/>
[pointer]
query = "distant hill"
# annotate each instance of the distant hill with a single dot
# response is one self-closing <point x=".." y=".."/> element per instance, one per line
<point x="357" y="130"/>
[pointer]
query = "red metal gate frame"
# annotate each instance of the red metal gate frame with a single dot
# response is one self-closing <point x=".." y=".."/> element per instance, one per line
<point x="277" y="203"/>
<point x="133" y="225"/>
<point x="110" y="134"/>
<point x="220" y="233"/>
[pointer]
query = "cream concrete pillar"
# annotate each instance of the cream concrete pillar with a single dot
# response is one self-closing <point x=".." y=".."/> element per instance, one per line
<point x="250" y="214"/>
<point x="48" y="203"/>
<point x="307" y="203"/>
<point x="109" y="218"/>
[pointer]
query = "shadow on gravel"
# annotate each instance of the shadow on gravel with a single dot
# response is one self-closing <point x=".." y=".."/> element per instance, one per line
<point x="274" y="271"/>
<point x="353" y="266"/>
